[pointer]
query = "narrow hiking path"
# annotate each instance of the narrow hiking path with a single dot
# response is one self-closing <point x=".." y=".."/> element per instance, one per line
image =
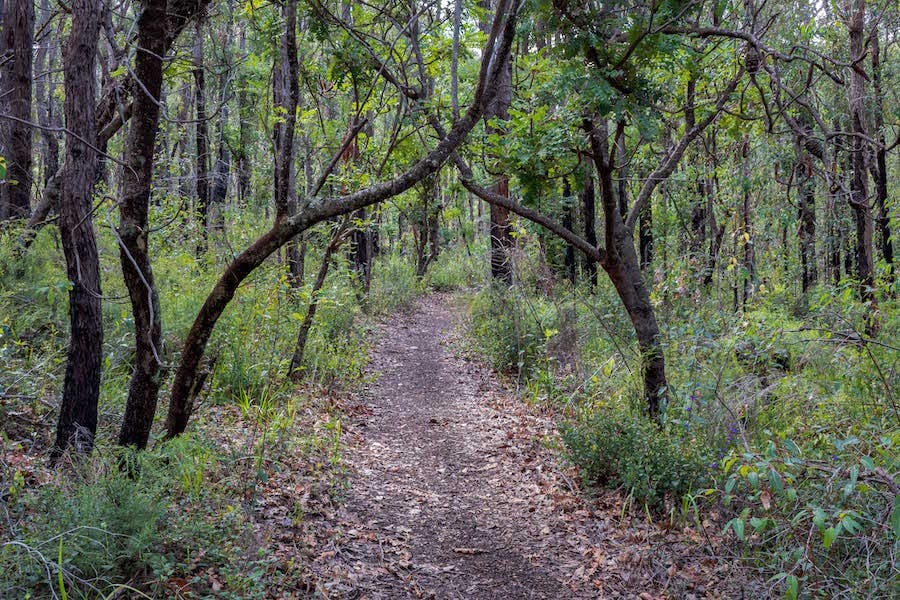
<point x="453" y="492"/>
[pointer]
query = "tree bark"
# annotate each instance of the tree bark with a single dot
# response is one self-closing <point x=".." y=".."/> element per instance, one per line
<point x="589" y="215"/>
<point x="16" y="45"/>
<point x="621" y="265"/>
<point x="879" y="171"/>
<point x="859" y="183"/>
<point x="500" y="229"/>
<point x="201" y="131"/>
<point x="81" y="387"/>
<point x="807" y="217"/>
<point x="137" y="271"/>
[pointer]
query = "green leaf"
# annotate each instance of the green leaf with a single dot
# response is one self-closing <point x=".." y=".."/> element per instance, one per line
<point x="828" y="537"/>
<point x="738" y="526"/>
<point x="792" y="591"/>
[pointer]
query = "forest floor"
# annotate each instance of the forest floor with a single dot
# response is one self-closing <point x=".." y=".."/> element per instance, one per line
<point x="455" y="490"/>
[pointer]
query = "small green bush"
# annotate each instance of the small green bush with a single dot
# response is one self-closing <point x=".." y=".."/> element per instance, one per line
<point x="613" y="448"/>
<point x="455" y="269"/>
<point x="511" y="334"/>
<point x="394" y="284"/>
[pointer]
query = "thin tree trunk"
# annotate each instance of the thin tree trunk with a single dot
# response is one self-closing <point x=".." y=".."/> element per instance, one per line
<point x="81" y="386"/>
<point x="589" y="215"/>
<point x="568" y="219"/>
<point x="201" y="175"/>
<point x="879" y="171"/>
<point x="44" y="90"/>
<point x="859" y="184"/>
<point x="16" y="45"/>
<point x="143" y="392"/>
<point x="302" y="336"/>
<point x="807" y="217"/>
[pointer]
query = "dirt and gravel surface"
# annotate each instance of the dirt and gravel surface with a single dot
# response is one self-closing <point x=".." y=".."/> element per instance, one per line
<point x="456" y="491"/>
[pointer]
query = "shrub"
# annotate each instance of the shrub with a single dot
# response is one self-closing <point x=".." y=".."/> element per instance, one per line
<point x="455" y="269"/>
<point x="511" y="336"/>
<point x="394" y="284"/>
<point x="614" y="449"/>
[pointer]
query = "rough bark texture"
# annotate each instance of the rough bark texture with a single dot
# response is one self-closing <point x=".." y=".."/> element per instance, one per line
<point x="44" y="90"/>
<point x="879" y="170"/>
<point x="81" y="387"/>
<point x="143" y="391"/>
<point x="589" y="214"/>
<point x="807" y="216"/>
<point x="201" y="132"/>
<point x="624" y="271"/>
<point x="186" y="383"/>
<point x="500" y="230"/>
<point x="859" y="183"/>
<point x="16" y="41"/>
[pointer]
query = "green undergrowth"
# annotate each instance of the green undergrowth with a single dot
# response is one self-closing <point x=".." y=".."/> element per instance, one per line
<point x="190" y="516"/>
<point x="779" y="420"/>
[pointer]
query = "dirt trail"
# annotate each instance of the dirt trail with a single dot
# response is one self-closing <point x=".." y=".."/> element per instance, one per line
<point x="454" y="494"/>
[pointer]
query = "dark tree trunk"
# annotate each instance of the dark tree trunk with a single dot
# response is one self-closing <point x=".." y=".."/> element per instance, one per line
<point x="589" y="215"/>
<point x="622" y="266"/>
<point x="500" y="229"/>
<point x="16" y="44"/>
<point x="568" y="220"/>
<point x="81" y="387"/>
<point x="645" y="236"/>
<point x="749" y="262"/>
<point x="244" y="164"/>
<point x="221" y="174"/>
<point x="807" y="217"/>
<point x="143" y="392"/>
<point x="859" y="183"/>
<point x="202" y="133"/>
<point x="879" y="171"/>
<point x="622" y="176"/>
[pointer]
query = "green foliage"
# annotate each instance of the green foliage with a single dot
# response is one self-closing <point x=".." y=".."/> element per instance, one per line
<point x="394" y="284"/>
<point x="455" y="269"/>
<point x="830" y="522"/>
<point x="510" y="329"/>
<point x="614" y="448"/>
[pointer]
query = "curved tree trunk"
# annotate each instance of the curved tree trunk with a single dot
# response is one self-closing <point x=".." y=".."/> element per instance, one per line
<point x="81" y="387"/>
<point x="184" y="387"/>
<point x="133" y="228"/>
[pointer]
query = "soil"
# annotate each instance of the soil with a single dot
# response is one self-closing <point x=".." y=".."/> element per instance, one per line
<point x="457" y="490"/>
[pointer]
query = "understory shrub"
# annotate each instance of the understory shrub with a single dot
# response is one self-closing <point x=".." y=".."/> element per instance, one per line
<point x="511" y="334"/>
<point x="615" y="449"/>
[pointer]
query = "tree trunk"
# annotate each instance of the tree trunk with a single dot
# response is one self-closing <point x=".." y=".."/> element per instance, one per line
<point x="16" y="44"/>
<point x="568" y="220"/>
<point x="859" y="184"/>
<point x="133" y="227"/>
<point x="622" y="266"/>
<point x="81" y="386"/>
<point x="589" y="215"/>
<point x="879" y="171"/>
<point x="807" y="217"/>
<point x="44" y="89"/>
<point x="201" y="175"/>
<point x="500" y="229"/>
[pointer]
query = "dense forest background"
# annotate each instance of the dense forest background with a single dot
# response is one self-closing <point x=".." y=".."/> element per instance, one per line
<point x="673" y="223"/>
